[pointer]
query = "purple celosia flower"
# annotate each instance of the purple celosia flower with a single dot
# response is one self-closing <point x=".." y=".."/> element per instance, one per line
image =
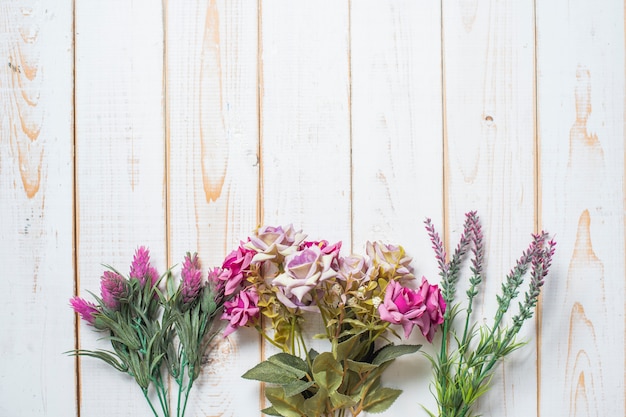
<point x="237" y="263"/>
<point x="141" y="268"/>
<point x="423" y="308"/>
<point x="86" y="309"/>
<point x="112" y="289"/>
<point x="240" y="310"/>
<point x="191" y="275"/>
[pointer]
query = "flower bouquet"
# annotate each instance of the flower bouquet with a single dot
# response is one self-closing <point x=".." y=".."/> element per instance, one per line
<point x="154" y="332"/>
<point x="289" y="280"/>
<point x="469" y="353"/>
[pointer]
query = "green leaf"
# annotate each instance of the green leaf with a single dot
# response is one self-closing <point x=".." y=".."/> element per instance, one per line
<point x="103" y="355"/>
<point x="271" y="411"/>
<point x="327" y="372"/>
<point x="316" y="405"/>
<point x="380" y="399"/>
<point x="290" y="363"/>
<point x="286" y="406"/>
<point x="351" y="345"/>
<point x="340" y="400"/>
<point x="296" y="387"/>
<point x="390" y="352"/>
<point x="267" y="371"/>
<point x="360" y="367"/>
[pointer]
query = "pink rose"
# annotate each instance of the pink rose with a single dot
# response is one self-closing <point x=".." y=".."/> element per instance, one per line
<point x="423" y="308"/>
<point x="241" y="310"/>
<point x="237" y="263"/>
<point x="271" y="241"/>
<point x="401" y="306"/>
<point x="435" y="308"/>
<point x="390" y="260"/>
<point x="355" y="267"/>
<point x="303" y="271"/>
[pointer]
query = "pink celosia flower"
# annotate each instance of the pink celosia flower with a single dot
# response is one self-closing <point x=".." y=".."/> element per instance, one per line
<point x="141" y="268"/>
<point x="112" y="289"/>
<point x="435" y="308"/>
<point x="240" y="310"/>
<point x="191" y="275"/>
<point x="303" y="271"/>
<point x="237" y="262"/>
<point x="86" y="309"/>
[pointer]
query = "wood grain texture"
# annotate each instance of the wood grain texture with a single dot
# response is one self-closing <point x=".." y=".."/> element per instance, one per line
<point x="305" y="121"/>
<point x="36" y="205"/>
<point x="489" y="162"/>
<point x="305" y="117"/>
<point x="581" y="119"/>
<point x="213" y="175"/>
<point x="120" y="153"/>
<point x="397" y="148"/>
<point x="353" y="120"/>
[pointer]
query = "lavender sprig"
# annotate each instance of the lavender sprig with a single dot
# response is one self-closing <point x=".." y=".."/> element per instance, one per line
<point x="463" y="372"/>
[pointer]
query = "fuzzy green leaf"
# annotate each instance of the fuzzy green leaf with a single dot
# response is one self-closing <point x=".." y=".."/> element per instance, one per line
<point x="380" y="399"/>
<point x="286" y="406"/>
<point x="341" y="401"/>
<point x="290" y="363"/>
<point x="267" y="371"/>
<point x="327" y="371"/>
<point x="271" y="411"/>
<point x="360" y="367"/>
<point x="391" y="352"/>
<point x="351" y="345"/>
<point x="316" y="405"/>
<point x="296" y="387"/>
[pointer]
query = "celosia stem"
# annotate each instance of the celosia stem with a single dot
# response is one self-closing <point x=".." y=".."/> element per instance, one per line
<point x="145" y="394"/>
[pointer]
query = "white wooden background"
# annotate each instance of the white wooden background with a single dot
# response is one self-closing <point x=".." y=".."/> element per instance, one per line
<point x="181" y="125"/>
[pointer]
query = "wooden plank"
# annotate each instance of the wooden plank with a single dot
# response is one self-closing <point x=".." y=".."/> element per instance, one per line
<point x="213" y="176"/>
<point x="120" y="159"/>
<point x="36" y="209"/>
<point x="305" y="117"/>
<point x="397" y="148"/>
<point x="581" y="118"/>
<point x="488" y="59"/>
<point x="305" y="122"/>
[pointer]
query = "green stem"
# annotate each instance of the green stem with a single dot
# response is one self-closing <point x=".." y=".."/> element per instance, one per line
<point x="145" y="394"/>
